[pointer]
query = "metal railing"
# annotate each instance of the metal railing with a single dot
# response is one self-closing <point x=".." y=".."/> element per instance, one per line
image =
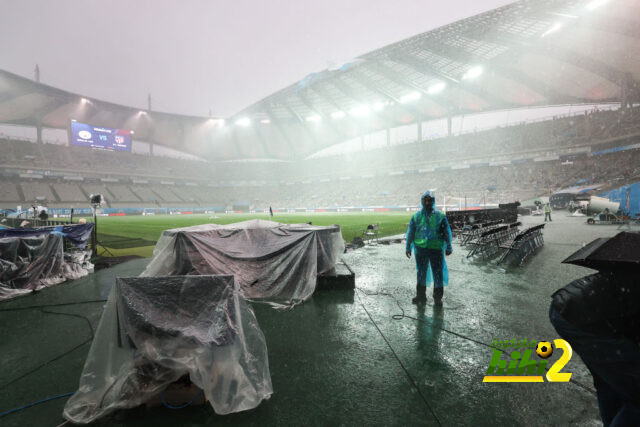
<point x="37" y="222"/>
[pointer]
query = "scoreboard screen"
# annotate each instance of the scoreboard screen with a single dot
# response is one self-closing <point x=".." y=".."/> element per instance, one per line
<point x="100" y="137"/>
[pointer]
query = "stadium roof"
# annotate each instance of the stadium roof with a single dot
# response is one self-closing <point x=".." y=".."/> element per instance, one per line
<point x="529" y="53"/>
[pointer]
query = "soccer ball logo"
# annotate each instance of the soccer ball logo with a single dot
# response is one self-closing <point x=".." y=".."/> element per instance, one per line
<point x="544" y="349"/>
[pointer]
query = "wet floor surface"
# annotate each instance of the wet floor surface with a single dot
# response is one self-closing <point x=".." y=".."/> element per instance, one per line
<point x="341" y="358"/>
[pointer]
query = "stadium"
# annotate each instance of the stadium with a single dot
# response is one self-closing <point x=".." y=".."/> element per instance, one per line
<point x="530" y="107"/>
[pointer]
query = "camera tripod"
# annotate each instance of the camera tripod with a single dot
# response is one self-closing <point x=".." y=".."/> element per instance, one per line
<point x="96" y="243"/>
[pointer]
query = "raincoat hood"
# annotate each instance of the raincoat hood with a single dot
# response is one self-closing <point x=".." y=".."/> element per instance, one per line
<point x="428" y="193"/>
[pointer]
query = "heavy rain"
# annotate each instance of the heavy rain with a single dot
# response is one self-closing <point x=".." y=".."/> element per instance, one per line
<point x="320" y="213"/>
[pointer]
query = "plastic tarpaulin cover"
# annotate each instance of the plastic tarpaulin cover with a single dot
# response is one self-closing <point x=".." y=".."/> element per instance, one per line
<point x="155" y="330"/>
<point x="28" y="264"/>
<point x="272" y="262"/>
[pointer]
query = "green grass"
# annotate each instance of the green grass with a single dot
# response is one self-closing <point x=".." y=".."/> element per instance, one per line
<point x="135" y="235"/>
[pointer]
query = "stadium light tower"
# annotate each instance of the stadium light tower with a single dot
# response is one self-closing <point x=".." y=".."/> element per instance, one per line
<point x="338" y="114"/>
<point x="265" y="121"/>
<point x="314" y="118"/>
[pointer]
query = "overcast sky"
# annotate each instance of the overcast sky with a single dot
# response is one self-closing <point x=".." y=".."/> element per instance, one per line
<point x="196" y="55"/>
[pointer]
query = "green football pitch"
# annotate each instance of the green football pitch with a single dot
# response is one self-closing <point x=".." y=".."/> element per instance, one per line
<point x="136" y="235"/>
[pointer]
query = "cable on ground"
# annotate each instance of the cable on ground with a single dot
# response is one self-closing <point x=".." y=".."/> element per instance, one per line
<point x="60" y="356"/>
<point x="406" y="371"/>
<point x="164" y="402"/>
<point x="28" y="405"/>
<point x="29" y="307"/>
<point x="403" y="315"/>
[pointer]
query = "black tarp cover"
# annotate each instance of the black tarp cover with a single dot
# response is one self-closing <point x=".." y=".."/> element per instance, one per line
<point x="77" y="234"/>
<point x="620" y="252"/>
<point x="154" y="330"/>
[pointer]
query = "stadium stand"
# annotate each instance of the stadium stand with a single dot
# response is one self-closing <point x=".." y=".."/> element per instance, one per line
<point x="90" y="189"/>
<point x="145" y="193"/>
<point x="9" y="196"/>
<point x="493" y="166"/>
<point x="37" y="191"/>
<point x="122" y="193"/>
<point x="187" y="194"/>
<point x="69" y="193"/>
<point x="165" y="194"/>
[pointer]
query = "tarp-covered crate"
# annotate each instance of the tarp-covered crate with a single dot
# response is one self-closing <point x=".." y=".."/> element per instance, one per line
<point x="35" y="258"/>
<point x="155" y="331"/>
<point x="272" y="262"/>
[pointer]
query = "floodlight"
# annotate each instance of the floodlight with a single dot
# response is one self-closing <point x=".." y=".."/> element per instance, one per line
<point x="563" y="15"/>
<point x="338" y="114"/>
<point x="265" y="121"/>
<point x="410" y="97"/>
<point x="472" y="73"/>
<point x="379" y="106"/>
<point x="596" y="4"/>
<point x="555" y="27"/>
<point x="221" y="123"/>
<point x="244" y="121"/>
<point x="360" y="111"/>
<point x="142" y="113"/>
<point x="436" y="88"/>
<point x="85" y="101"/>
<point x="96" y="199"/>
<point x="315" y="118"/>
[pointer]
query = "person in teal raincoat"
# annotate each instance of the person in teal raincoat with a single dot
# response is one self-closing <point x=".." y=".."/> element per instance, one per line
<point x="429" y="236"/>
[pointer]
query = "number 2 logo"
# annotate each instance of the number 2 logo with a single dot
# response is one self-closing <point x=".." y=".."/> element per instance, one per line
<point x="554" y="374"/>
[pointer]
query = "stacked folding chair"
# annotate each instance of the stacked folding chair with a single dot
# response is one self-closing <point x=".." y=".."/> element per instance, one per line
<point x="476" y="230"/>
<point x="523" y="244"/>
<point x="488" y="243"/>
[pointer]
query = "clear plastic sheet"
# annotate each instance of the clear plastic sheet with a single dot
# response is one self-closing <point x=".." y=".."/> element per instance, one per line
<point x="155" y="330"/>
<point x="28" y="264"/>
<point x="272" y="262"/>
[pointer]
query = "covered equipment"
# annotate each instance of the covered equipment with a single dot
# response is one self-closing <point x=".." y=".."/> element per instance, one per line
<point x="271" y="262"/>
<point x="34" y="258"/>
<point x="154" y="331"/>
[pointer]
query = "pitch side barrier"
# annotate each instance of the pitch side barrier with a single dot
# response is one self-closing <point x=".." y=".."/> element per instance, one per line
<point x="472" y="214"/>
<point x="65" y="213"/>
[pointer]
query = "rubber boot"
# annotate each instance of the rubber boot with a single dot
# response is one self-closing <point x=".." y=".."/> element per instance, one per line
<point x="421" y="295"/>
<point x="437" y="295"/>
